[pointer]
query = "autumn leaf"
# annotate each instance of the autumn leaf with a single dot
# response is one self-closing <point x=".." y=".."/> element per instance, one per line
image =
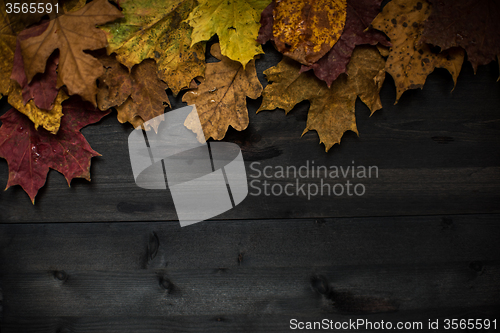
<point x="332" y="111"/>
<point x="148" y="97"/>
<point x="359" y="15"/>
<point x="236" y="22"/>
<point x="115" y="85"/>
<point x="155" y="29"/>
<point x="266" y="24"/>
<point x="72" y="33"/>
<point x="48" y="119"/>
<point x="42" y="89"/>
<point x="30" y="152"/>
<point x="305" y="30"/>
<point x="221" y="98"/>
<point x="409" y="61"/>
<point x="8" y="46"/>
<point x="471" y="24"/>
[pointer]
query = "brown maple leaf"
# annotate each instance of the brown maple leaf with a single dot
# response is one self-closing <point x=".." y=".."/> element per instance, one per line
<point x="471" y="24"/>
<point x="147" y="99"/>
<point x="409" y="61"/>
<point x="221" y="98"/>
<point x="30" y="152"/>
<point x="115" y="85"/>
<point x="305" y="30"/>
<point x="72" y="33"/>
<point x="42" y="89"/>
<point x="332" y="111"/>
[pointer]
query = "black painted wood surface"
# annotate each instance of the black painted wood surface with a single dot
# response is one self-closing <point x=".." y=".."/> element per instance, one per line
<point x="422" y="243"/>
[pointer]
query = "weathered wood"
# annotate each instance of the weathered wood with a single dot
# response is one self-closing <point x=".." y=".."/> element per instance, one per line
<point x="249" y="243"/>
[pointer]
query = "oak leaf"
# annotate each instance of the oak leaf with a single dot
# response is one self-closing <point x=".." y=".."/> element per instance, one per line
<point x="42" y="89"/>
<point x="147" y="97"/>
<point x="332" y="110"/>
<point x="409" y="61"/>
<point x="221" y="98"/>
<point x="471" y="24"/>
<point x="30" y="152"/>
<point x="155" y="29"/>
<point x="72" y="33"/>
<point x="305" y="30"/>
<point x="360" y="13"/>
<point x="236" y="23"/>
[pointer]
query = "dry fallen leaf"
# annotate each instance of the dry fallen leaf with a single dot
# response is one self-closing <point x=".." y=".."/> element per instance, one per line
<point x="305" y="30"/>
<point x="30" y="152"/>
<point x="155" y="29"/>
<point x="48" y="119"/>
<point x="221" y="98"/>
<point x="409" y="61"/>
<point x="332" y="111"/>
<point x="8" y="46"/>
<point x="471" y="24"/>
<point x="42" y="89"/>
<point x="72" y="33"/>
<point x="359" y="15"/>
<point x="236" y="23"/>
<point x="115" y="85"/>
<point x="147" y="98"/>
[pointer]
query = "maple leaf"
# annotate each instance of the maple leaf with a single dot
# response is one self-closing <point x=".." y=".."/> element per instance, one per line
<point x="305" y="30"/>
<point x="48" y="119"/>
<point x="236" y="22"/>
<point x="471" y="24"/>
<point x="221" y="98"/>
<point x="30" y="152"/>
<point x="409" y="61"/>
<point x="72" y="33"/>
<point x="115" y="85"/>
<point x="155" y="29"/>
<point x="147" y="98"/>
<point x="8" y="46"/>
<point x="332" y="111"/>
<point x="266" y="24"/>
<point x="42" y="88"/>
<point x="360" y="13"/>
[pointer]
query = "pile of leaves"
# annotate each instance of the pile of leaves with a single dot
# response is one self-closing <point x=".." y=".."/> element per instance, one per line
<point x="66" y="72"/>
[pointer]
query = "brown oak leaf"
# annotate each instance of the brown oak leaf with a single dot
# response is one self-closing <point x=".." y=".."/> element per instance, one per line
<point x="332" y="111"/>
<point x="30" y="152"/>
<point x="305" y="30"/>
<point x="42" y="89"/>
<point x="72" y="33"/>
<point x="360" y="13"/>
<point x="221" y="98"/>
<point x="409" y="61"/>
<point x="147" y="99"/>
<point x="471" y="24"/>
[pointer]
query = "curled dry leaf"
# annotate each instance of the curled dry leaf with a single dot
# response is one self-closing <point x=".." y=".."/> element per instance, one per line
<point x="221" y="98"/>
<point x="42" y="89"/>
<point x="332" y="111"/>
<point x="471" y="24"/>
<point x="305" y="30"/>
<point x="30" y="152"/>
<point x="236" y="23"/>
<point x="72" y="33"/>
<point x="409" y="61"/>
<point x="147" y="99"/>
<point x="359" y="15"/>
<point x="155" y="30"/>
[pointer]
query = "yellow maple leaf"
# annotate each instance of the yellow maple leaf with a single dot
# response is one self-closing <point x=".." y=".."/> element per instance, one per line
<point x="236" y="22"/>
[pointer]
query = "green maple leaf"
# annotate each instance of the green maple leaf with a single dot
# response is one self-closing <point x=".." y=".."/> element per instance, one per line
<point x="155" y="29"/>
<point x="236" y="22"/>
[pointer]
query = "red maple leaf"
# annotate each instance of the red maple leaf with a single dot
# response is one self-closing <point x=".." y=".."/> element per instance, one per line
<point x="360" y="13"/>
<point x="30" y="153"/>
<point x="42" y="89"/>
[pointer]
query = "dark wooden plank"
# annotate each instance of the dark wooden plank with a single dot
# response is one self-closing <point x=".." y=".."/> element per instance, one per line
<point x="235" y="323"/>
<point x="437" y="153"/>
<point x="249" y="244"/>
<point x="359" y="289"/>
